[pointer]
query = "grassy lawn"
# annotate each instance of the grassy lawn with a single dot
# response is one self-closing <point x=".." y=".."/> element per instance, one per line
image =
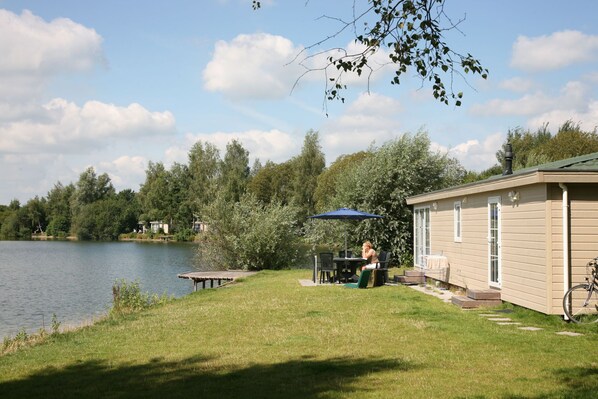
<point x="268" y="337"/>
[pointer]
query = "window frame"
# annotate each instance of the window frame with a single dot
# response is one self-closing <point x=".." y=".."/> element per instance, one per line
<point x="457" y="221"/>
<point x="421" y="249"/>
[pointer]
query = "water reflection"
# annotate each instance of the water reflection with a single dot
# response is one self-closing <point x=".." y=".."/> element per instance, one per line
<point x="74" y="279"/>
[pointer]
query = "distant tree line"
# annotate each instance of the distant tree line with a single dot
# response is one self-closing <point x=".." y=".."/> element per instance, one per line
<point x="257" y="216"/>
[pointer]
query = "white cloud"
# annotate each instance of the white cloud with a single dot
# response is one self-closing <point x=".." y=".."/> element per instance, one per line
<point x="517" y="84"/>
<point x="265" y="66"/>
<point x="588" y="118"/>
<point x="65" y="127"/>
<point x="573" y="95"/>
<point x="372" y="118"/>
<point x="473" y="154"/>
<point x="125" y="171"/>
<point x="253" y="66"/>
<point x="559" y="50"/>
<point x="273" y="145"/>
<point x="34" y="50"/>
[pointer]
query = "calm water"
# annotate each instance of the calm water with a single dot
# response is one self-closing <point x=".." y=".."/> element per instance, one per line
<point x="74" y="279"/>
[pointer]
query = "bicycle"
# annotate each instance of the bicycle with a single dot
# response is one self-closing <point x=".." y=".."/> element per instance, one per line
<point x="581" y="301"/>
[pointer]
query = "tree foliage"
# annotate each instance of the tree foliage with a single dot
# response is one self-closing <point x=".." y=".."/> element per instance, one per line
<point x="535" y="148"/>
<point x="249" y="235"/>
<point x="234" y="171"/>
<point x="273" y="182"/>
<point x="204" y="170"/>
<point x="397" y="170"/>
<point x="328" y="179"/>
<point x="412" y="32"/>
<point x="309" y="165"/>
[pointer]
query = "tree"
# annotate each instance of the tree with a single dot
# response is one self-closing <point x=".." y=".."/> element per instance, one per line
<point x="204" y="171"/>
<point x="36" y="209"/>
<point x="328" y="180"/>
<point x="235" y="171"/>
<point x="153" y="192"/>
<point x="397" y="170"/>
<point x="570" y="141"/>
<point x="310" y="164"/>
<point x="59" y="210"/>
<point x="531" y="149"/>
<point x="524" y="145"/>
<point x="89" y="190"/>
<point x="249" y="235"/>
<point x="274" y="182"/>
<point x="413" y="33"/>
<point x="179" y="208"/>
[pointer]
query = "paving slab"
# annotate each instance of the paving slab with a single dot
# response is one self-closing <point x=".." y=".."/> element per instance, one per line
<point x="569" y="333"/>
<point x="508" y="323"/>
<point x="499" y="319"/>
<point x="530" y="328"/>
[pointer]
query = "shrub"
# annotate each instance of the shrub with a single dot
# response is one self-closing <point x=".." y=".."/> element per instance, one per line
<point x="184" y="235"/>
<point x="127" y="298"/>
<point x="249" y="235"/>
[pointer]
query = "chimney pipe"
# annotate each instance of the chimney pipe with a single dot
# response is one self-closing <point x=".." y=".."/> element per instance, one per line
<point x="508" y="160"/>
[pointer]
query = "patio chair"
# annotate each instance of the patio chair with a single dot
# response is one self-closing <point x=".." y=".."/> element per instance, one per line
<point x="364" y="278"/>
<point x="327" y="270"/>
<point x="381" y="273"/>
<point x="341" y="254"/>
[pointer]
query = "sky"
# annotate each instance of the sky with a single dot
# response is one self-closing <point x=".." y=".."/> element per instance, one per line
<point x="116" y="84"/>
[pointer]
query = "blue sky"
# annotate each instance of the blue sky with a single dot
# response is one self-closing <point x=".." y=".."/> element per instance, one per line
<point x="116" y="84"/>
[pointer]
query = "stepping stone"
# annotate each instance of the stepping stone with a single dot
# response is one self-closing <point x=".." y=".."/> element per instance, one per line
<point x="487" y="315"/>
<point x="508" y="323"/>
<point x="530" y="328"/>
<point x="569" y="333"/>
<point x="499" y="319"/>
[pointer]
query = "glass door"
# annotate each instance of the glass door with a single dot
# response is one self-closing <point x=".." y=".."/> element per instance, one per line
<point x="422" y="235"/>
<point x="494" y="242"/>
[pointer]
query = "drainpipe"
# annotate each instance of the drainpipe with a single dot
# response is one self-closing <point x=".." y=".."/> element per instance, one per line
<point x="565" y="238"/>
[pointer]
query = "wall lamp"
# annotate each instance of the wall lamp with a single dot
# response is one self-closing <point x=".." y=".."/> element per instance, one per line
<point x="513" y="196"/>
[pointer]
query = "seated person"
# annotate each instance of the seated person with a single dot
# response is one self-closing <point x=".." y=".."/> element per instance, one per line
<point x="367" y="252"/>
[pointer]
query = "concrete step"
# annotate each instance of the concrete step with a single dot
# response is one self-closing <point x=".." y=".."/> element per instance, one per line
<point x="469" y="303"/>
<point x="483" y="294"/>
<point x="413" y="273"/>
<point x="409" y="279"/>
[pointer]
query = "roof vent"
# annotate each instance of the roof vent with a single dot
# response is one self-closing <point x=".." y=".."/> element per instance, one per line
<point x="508" y="160"/>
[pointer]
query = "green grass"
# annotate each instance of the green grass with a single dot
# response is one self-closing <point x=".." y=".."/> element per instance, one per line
<point x="268" y="337"/>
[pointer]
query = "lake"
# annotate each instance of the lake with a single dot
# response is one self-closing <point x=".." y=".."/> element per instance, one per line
<point x="74" y="279"/>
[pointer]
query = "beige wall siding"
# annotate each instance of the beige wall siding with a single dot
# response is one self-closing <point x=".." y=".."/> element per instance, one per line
<point x="583" y="208"/>
<point x="524" y="257"/>
<point x="524" y="243"/>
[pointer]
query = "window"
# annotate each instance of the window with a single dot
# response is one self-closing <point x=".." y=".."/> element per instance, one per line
<point x="421" y="227"/>
<point x="457" y="220"/>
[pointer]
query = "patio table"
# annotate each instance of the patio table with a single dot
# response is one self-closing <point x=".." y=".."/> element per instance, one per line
<point x="350" y="263"/>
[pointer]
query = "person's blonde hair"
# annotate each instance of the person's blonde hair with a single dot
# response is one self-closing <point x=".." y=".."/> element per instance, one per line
<point x="368" y="243"/>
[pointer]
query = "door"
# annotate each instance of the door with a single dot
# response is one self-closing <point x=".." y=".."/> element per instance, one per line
<point x="422" y="235"/>
<point x="494" y="242"/>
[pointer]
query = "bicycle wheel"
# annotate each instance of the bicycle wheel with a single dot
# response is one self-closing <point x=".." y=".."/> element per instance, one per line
<point x="581" y="304"/>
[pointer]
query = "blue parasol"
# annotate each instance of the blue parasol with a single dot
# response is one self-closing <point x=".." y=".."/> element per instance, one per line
<point x="346" y="214"/>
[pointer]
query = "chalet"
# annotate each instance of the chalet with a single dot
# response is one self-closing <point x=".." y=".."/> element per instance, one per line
<point x="526" y="235"/>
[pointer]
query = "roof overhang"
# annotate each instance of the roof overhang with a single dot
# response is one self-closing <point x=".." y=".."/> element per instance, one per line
<point x="509" y="182"/>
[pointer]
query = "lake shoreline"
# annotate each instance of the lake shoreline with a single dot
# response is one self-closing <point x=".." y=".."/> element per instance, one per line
<point x="73" y="279"/>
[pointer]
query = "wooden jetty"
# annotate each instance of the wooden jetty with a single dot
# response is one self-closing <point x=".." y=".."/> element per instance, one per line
<point x="204" y="277"/>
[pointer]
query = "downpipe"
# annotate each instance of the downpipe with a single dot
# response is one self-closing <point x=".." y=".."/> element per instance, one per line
<point x="566" y="265"/>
